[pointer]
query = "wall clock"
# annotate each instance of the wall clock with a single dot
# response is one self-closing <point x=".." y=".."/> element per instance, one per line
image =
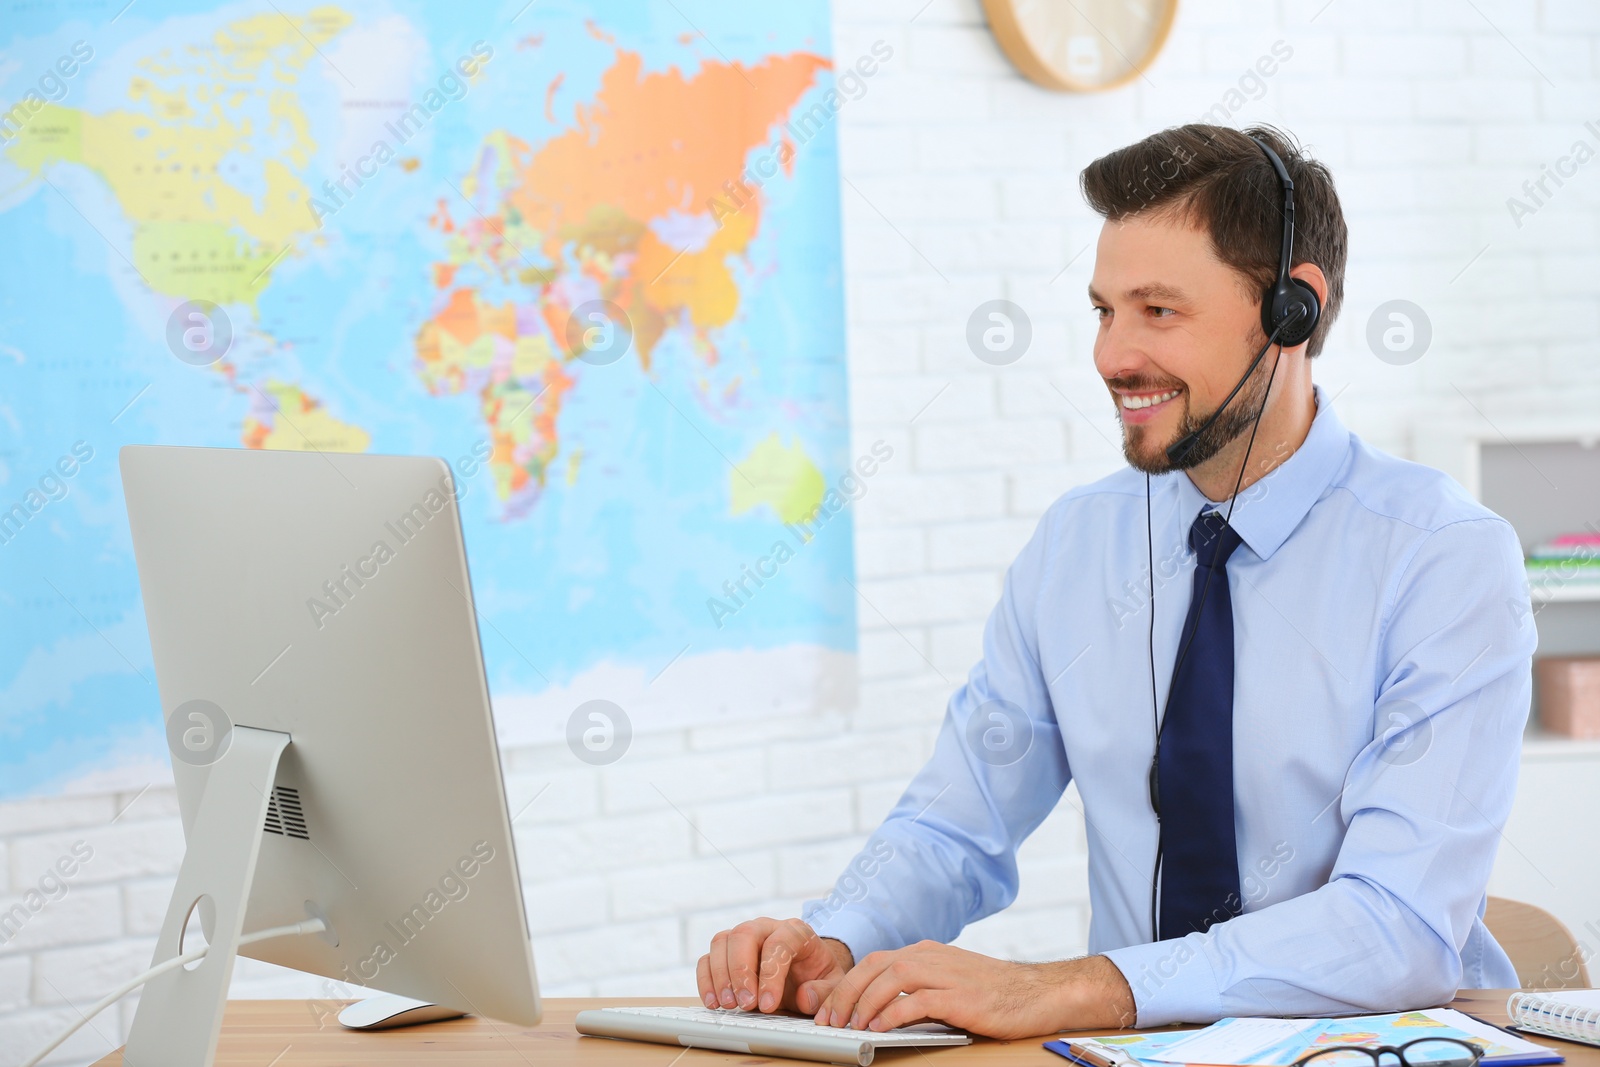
<point x="1081" y="45"/>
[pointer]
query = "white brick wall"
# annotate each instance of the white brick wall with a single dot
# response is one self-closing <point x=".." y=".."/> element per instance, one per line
<point x="961" y="187"/>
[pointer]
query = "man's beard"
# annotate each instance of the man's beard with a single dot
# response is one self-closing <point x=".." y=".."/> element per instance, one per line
<point x="1238" y="417"/>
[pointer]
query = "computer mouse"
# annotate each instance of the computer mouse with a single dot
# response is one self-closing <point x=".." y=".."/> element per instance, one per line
<point x="388" y="1010"/>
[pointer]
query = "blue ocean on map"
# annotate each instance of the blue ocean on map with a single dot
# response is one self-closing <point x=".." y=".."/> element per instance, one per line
<point x="429" y="228"/>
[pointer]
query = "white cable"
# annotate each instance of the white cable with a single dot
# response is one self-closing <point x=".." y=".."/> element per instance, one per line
<point x="308" y="926"/>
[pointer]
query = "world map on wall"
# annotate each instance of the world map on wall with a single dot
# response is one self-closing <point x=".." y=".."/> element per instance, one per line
<point x="586" y="253"/>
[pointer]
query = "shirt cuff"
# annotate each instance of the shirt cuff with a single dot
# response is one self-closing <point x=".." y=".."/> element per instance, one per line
<point x="1172" y="981"/>
<point x="850" y="925"/>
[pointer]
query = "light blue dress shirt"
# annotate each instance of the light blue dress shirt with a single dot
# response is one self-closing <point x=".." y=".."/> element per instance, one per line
<point x="1382" y="647"/>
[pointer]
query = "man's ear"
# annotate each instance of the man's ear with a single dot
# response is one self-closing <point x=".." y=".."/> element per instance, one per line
<point x="1312" y="275"/>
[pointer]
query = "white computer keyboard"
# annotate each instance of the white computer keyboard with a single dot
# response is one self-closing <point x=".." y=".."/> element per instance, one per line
<point x="794" y="1024"/>
<point x="755" y="1033"/>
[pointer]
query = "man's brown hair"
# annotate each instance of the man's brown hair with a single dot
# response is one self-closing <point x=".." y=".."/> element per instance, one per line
<point x="1218" y="179"/>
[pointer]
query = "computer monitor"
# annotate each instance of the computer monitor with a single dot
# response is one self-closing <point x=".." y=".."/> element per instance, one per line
<point x="317" y="660"/>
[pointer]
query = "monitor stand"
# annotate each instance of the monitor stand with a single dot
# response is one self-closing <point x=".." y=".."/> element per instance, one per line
<point x="180" y="1013"/>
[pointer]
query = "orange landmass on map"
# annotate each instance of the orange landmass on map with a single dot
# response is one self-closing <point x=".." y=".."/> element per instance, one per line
<point x="650" y="148"/>
<point x="550" y="96"/>
<point x="650" y="144"/>
<point x="698" y="282"/>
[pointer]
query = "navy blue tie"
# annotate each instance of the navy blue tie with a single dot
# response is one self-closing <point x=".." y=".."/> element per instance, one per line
<point x="1200" y="861"/>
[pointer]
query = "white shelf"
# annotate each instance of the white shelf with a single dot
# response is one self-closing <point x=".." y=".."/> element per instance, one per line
<point x="1454" y="445"/>
<point x="1540" y="745"/>
<point x="1545" y="592"/>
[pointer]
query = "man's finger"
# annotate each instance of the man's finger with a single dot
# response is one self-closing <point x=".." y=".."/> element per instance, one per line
<point x="702" y="977"/>
<point x="839" y="1005"/>
<point x="907" y="974"/>
<point x="721" y="985"/>
<point x="782" y="947"/>
<point x="744" y="957"/>
<point x="925" y="1005"/>
<point x="808" y="997"/>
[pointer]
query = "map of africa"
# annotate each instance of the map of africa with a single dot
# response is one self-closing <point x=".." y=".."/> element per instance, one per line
<point x="587" y="253"/>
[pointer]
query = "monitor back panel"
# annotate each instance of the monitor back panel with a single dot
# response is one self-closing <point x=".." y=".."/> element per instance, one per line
<point x="327" y="596"/>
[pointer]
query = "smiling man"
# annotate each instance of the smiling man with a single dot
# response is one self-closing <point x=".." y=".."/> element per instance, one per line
<point x="1288" y="673"/>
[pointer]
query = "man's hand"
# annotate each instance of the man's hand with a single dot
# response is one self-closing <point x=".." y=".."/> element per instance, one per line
<point x="985" y="996"/>
<point x="768" y="964"/>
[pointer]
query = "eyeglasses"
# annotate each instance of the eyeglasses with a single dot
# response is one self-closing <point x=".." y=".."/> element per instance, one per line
<point x="1423" y="1052"/>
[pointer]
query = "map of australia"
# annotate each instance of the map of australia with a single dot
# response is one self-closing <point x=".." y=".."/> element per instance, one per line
<point x="590" y="258"/>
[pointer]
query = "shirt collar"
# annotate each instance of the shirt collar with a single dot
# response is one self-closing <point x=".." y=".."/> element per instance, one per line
<point x="1268" y="511"/>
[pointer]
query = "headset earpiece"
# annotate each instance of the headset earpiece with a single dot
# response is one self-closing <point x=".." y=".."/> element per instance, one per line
<point x="1289" y="311"/>
<point x="1287" y="296"/>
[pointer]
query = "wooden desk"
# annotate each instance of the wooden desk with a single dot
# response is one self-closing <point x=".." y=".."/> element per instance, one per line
<point x="291" y="1033"/>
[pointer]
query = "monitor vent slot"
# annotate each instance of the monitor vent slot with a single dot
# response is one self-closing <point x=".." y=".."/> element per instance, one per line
<point x="285" y="816"/>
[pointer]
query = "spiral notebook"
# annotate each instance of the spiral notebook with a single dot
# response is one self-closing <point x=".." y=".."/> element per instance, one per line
<point x="1573" y="1014"/>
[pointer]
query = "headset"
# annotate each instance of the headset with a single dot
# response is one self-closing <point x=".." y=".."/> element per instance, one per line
<point x="1289" y="312"/>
